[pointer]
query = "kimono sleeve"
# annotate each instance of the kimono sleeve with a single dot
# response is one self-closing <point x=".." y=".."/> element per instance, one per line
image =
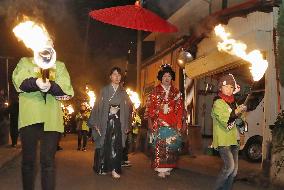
<point x="179" y="111"/>
<point x="150" y="111"/>
<point x="20" y="73"/>
<point x="94" y="115"/>
<point x="63" y="80"/>
<point x="92" y="118"/>
<point x="221" y="113"/>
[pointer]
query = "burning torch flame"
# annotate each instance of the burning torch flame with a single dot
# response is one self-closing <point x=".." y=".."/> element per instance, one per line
<point x="233" y="47"/>
<point x="134" y="97"/>
<point x="92" y="98"/>
<point x="34" y="36"/>
<point x="70" y="109"/>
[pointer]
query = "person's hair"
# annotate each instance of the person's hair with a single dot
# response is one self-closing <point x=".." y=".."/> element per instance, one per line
<point x="115" y="69"/>
<point x="227" y="79"/>
<point x="166" y="69"/>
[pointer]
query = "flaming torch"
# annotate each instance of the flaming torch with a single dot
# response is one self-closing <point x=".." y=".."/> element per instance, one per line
<point x="70" y="109"/>
<point x="92" y="98"/>
<point x="134" y="97"/>
<point x="36" y="38"/>
<point x="237" y="48"/>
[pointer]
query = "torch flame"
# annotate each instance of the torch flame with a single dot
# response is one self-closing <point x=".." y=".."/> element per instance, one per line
<point x="237" y="48"/>
<point x="34" y="35"/>
<point x="92" y="98"/>
<point x="134" y="97"/>
<point x="70" y="109"/>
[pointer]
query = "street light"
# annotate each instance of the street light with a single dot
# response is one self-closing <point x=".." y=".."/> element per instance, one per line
<point x="184" y="57"/>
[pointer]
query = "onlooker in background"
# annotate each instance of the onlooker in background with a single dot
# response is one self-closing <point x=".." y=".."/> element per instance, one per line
<point x="136" y="124"/>
<point x="141" y="142"/>
<point x="14" y="114"/>
<point x="58" y="143"/>
<point x="224" y="113"/>
<point x="4" y="120"/>
<point x="82" y="128"/>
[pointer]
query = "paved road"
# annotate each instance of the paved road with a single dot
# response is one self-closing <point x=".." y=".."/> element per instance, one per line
<point x="74" y="172"/>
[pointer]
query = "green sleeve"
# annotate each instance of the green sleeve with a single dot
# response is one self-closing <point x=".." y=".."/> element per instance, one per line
<point x="20" y="73"/>
<point x="221" y="113"/>
<point x="63" y="79"/>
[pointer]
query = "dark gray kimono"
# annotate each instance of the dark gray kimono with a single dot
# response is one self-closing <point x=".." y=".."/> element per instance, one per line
<point x="99" y="114"/>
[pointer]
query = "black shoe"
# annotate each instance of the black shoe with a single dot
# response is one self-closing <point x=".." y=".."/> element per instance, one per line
<point x="78" y="148"/>
<point x="84" y="149"/>
<point x="59" y="148"/>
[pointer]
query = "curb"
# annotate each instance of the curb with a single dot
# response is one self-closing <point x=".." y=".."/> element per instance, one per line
<point x="12" y="156"/>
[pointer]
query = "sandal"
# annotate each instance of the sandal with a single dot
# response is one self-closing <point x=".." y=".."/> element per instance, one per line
<point x="115" y="175"/>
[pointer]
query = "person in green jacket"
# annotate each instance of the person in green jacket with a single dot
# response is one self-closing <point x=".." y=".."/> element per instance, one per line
<point x="82" y="127"/>
<point x="40" y="117"/>
<point x="224" y="113"/>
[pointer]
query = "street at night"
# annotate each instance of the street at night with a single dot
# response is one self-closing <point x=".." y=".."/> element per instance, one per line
<point x="141" y="94"/>
<point x="74" y="171"/>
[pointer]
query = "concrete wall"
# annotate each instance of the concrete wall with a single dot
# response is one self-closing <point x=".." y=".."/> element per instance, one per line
<point x="187" y="18"/>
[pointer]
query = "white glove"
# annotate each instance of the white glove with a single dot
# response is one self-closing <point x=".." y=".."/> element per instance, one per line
<point x="230" y="126"/>
<point x="43" y="86"/>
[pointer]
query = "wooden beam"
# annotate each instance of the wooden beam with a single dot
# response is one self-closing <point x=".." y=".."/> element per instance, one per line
<point x="212" y="63"/>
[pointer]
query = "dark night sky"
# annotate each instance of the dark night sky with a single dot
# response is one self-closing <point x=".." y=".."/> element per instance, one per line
<point x="67" y="21"/>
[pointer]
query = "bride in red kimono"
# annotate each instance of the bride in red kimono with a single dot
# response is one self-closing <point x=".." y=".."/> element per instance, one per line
<point x="164" y="111"/>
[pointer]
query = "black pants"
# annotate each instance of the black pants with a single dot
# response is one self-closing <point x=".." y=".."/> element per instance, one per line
<point x="109" y="157"/>
<point x="82" y="134"/>
<point x="125" y="149"/>
<point x="30" y="135"/>
<point x="14" y="133"/>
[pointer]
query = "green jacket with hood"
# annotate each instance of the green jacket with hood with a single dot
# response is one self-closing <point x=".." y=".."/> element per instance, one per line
<point x="221" y="114"/>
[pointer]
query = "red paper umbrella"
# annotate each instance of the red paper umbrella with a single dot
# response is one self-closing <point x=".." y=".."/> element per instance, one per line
<point x="134" y="17"/>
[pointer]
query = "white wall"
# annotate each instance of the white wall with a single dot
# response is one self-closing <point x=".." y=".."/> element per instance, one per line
<point x="186" y="18"/>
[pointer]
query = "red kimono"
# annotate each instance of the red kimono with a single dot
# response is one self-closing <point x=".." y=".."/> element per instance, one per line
<point x="165" y="108"/>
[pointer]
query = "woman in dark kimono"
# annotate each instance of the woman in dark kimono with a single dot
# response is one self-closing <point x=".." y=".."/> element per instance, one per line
<point x="109" y="120"/>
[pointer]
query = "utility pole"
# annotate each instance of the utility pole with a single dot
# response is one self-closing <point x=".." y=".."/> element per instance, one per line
<point x="7" y="76"/>
<point x="210" y="5"/>
<point x="139" y="59"/>
<point x="139" y="56"/>
<point x="85" y="53"/>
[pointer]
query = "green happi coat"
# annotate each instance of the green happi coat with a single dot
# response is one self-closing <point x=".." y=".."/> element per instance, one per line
<point x="221" y="135"/>
<point x="32" y="106"/>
